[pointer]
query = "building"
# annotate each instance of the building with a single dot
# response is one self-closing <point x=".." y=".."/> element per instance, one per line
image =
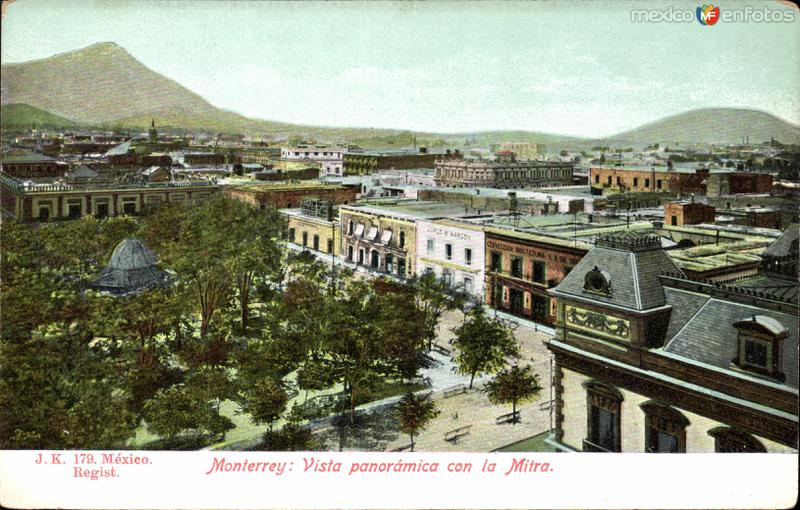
<point x="688" y="213"/>
<point x="521" y="266"/>
<point x="648" y="360"/>
<point x="290" y="195"/>
<point x="381" y="234"/>
<point x="523" y="150"/>
<point x="504" y="172"/>
<point x="330" y="158"/>
<point x="715" y="182"/>
<point x="453" y="251"/>
<point x="369" y="162"/>
<point x="54" y="201"/>
<point x="315" y="226"/>
<point x="31" y="165"/>
<point x="204" y="159"/>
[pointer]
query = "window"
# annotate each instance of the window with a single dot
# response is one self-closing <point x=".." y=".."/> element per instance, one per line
<point x="402" y="239"/>
<point x="609" y="180"/>
<point x="728" y="440"/>
<point x="468" y="256"/>
<point x="291" y="235"/>
<point x="305" y="238"/>
<point x="430" y="246"/>
<point x="760" y="338"/>
<point x="468" y="285"/>
<point x="674" y="220"/>
<point x="603" y="413"/>
<point x="350" y="253"/>
<point x="665" y="429"/>
<point x="658" y="184"/>
<point x="428" y="270"/>
<point x="635" y="182"/>
<point x="516" y="267"/>
<point x="350" y="227"/>
<point x="448" y="251"/>
<point x="497" y="262"/>
<point x="619" y="181"/>
<point x="330" y="245"/>
<point x="647" y="183"/>
<point x="539" y="271"/>
<point x="316" y="242"/>
<point x="447" y="276"/>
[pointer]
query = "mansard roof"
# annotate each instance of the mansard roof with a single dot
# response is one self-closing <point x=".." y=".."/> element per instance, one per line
<point x="631" y="262"/>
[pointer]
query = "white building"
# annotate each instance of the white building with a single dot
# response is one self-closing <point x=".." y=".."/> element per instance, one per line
<point x="328" y="156"/>
<point x="453" y="251"/>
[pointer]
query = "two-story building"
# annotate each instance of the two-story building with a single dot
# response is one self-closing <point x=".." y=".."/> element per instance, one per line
<point x="453" y="251"/>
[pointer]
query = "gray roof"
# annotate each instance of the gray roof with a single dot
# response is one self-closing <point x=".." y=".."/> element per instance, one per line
<point x="709" y="335"/>
<point x="120" y="150"/>
<point x="132" y="268"/>
<point x="782" y="246"/>
<point x="83" y="172"/>
<point x="632" y="262"/>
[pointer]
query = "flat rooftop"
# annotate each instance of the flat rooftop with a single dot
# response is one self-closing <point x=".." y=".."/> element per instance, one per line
<point x="411" y="209"/>
<point x="284" y="186"/>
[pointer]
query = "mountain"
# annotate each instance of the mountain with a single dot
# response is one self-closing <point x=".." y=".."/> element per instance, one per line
<point x="104" y="85"/>
<point x="713" y="125"/>
<point x="23" y="117"/>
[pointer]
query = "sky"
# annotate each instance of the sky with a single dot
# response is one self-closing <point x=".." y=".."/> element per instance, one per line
<point x="576" y="68"/>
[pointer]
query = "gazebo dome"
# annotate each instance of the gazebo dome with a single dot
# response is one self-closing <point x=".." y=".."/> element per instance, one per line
<point x="132" y="268"/>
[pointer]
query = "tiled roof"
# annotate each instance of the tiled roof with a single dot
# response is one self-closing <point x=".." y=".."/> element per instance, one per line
<point x="783" y="245"/>
<point x="633" y="263"/>
<point x="708" y="336"/>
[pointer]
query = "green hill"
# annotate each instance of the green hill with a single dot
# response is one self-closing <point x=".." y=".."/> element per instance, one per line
<point x="23" y="117"/>
<point x="104" y="85"/>
<point x="714" y="125"/>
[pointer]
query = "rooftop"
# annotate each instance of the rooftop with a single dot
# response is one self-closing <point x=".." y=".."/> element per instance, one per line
<point x="409" y="209"/>
<point x="256" y="187"/>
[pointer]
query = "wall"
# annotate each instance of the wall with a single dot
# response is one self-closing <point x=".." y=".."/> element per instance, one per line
<point x="316" y="226"/>
<point x="460" y="239"/>
<point x="286" y="198"/>
<point x="633" y="421"/>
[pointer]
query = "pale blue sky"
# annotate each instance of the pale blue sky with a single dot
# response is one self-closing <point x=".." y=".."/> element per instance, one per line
<point x="561" y="67"/>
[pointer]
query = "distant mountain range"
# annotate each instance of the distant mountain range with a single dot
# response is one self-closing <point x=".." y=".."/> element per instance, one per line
<point x="104" y="86"/>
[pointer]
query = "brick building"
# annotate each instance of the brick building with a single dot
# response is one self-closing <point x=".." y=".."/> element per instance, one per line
<point x="688" y="213"/>
<point x="521" y="266"/>
<point x="204" y="159"/>
<point x="287" y="196"/>
<point x="660" y="179"/>
<point x="31" y="165"/>
<point x="367" y="163"/>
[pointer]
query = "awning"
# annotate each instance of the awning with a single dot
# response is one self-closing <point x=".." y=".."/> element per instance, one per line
<point x="373" y="233"/>
<point x="386" y="236"/>
<point x="359" y="229"/>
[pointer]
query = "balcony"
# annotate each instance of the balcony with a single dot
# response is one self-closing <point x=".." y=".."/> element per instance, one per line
<point x="589" y="446"/>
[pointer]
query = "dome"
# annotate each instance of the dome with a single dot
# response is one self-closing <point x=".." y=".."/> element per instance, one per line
<point x="132" y="254"/>
<point x="132" y="269"/>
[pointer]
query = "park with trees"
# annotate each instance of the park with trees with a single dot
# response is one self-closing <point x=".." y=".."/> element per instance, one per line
<point x="245" y="333"/>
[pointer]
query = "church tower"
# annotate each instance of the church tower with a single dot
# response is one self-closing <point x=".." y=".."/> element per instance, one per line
<point x="153" y="134"/>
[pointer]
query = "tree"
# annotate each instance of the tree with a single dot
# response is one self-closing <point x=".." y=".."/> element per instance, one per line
<point x="434" y="297"/>
<point x="414" y="413"/>
<point x="266" y="402"/>
<point x="513" y="385"/>
<point x="183" y="407"/>
<point x="483" y="344"/>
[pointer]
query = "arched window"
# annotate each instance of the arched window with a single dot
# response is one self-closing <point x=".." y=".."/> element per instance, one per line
<point x="665" y="428"/>
<point x="728" y="440"/>
<point x="603" y="409"/>
<point x="402" y="239"/>
<point x="350" y="227"/>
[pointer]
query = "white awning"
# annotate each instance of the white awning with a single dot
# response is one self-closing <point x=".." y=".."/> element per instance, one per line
<point x="359" y="229"/>
<point x="373" y="233"/>
<point x="386" y="236"/>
